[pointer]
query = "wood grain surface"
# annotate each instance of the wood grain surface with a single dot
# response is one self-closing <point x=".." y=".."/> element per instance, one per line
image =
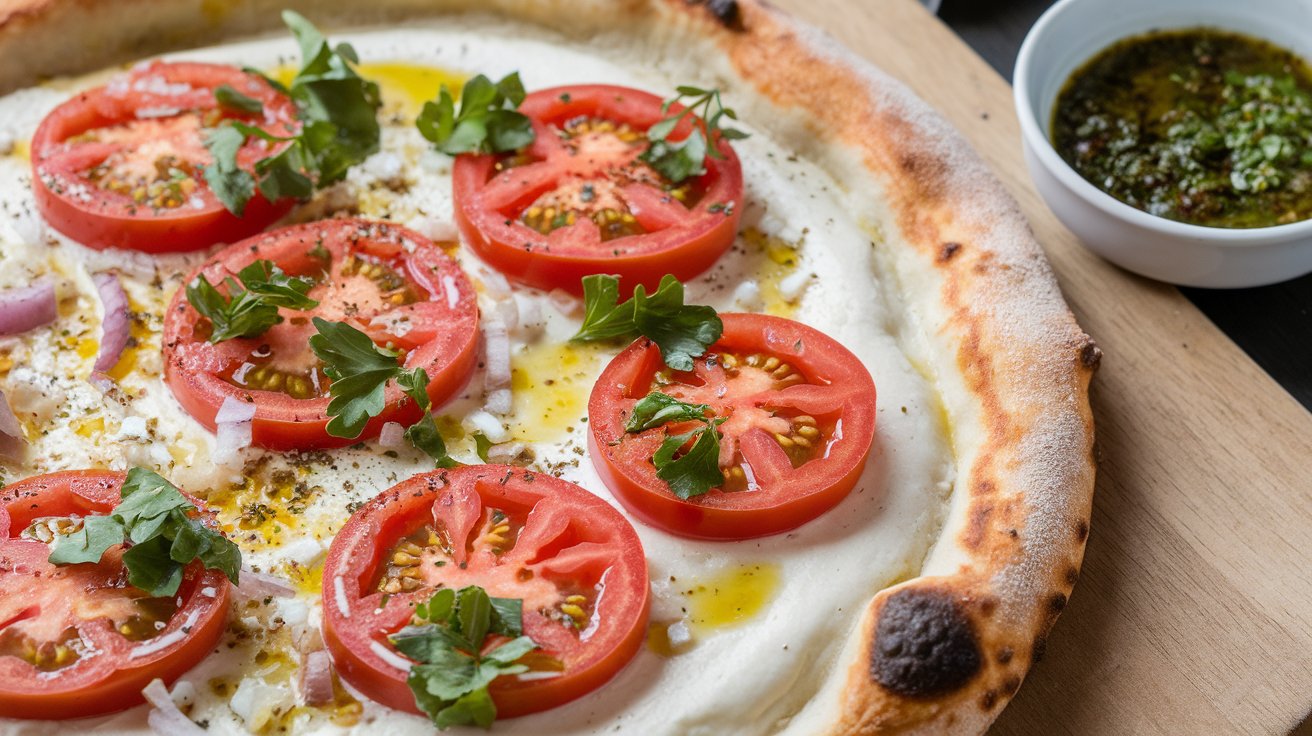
<point x="1193" y="614"/>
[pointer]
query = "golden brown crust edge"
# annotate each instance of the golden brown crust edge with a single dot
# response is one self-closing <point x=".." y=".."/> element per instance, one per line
<point x="945" y="651"/>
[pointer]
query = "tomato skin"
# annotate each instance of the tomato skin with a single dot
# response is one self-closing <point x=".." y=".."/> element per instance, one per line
<point x="562" y="259"/>
<point x="104" y="220"/>
<point x="104" y="682"/>
<point x="444" y="339"/>
<point x="788" y="497"/>
<point x="357" y="555"/>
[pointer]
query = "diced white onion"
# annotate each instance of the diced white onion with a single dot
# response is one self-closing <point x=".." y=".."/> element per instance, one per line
<point x="496" y="285"/>
<point x="748" y="296"/>
<point x="434" y="228"/>
<point x="164" y="718"/>
<point x="235" y="410"/>
<point x="12" y="439"/>
<point x="497" y="355"/>
<point x="391" y="435"/>
<point x="792" y="285"/>
<point x="132" y="428"/>
<point x="565" y="302"/>
<point x="499" y="401"/>
<point x="259" y="585"/>
<point x="303" y="551"/>
<point x="678" y="633"/>
<point x="488" y="425"/>
<point x="507" y="311"/>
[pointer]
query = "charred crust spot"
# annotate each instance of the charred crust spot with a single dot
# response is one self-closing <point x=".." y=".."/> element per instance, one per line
<point x="1057" y="602"/>
<point x="1072" y="575"/>
<point x="1040" y="646"/>
<point x="1005" y="654"/>
<point x="988" y="606"/>
<point x="989" y="700"/>
<point x="1091" y="355"/>
<point x="726" y="12"/>
<point x="948" y="250"/>
<point x="1081" y="531"/>
<point x="1010" y="686"/>
<point x="924" y="645"/>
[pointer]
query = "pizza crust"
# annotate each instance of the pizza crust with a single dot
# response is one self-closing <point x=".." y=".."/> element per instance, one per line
<point x="942" y="652"/>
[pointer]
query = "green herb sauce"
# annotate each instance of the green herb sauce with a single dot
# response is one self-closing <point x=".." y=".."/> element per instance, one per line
<point x="1200" y="126"/>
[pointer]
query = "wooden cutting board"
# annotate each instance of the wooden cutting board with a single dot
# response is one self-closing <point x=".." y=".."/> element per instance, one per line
<point x="1193" y="614"/>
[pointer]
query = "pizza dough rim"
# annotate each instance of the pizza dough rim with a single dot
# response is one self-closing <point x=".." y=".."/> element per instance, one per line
<point x="942" y="652"/>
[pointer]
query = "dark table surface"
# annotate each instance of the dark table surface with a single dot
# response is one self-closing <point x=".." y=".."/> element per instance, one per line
<point x="1273" y="324"/>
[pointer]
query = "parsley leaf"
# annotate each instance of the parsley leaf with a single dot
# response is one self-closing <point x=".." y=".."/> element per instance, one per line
<point x="450" y="681"/>
<point x="234" y="100"/>
<point x="697" y="471"/>
<point x="155" y="518"/>
<point x="682" y="332"/>
<point x="657" y="408"/>
<point x="424" y="434"/>
<point x="679" y="160"/>
<point x="338" y="110"/>
<point x="359" y="370"/>
<point x="486" y="122"/>
<point x="253" y="299"/>
<point x="229" y="182"/>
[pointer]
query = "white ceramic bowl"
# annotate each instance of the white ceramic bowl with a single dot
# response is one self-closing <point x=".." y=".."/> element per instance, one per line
<point x="1071" y="33"/>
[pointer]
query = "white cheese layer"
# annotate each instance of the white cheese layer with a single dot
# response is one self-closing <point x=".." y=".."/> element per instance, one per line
<point x="810" y="256"/>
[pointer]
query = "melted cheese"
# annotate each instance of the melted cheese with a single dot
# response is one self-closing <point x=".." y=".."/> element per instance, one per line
<point x="744" y="633"/>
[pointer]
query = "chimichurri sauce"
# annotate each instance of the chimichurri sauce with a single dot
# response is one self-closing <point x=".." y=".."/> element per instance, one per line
<point x="1200" y="126"/>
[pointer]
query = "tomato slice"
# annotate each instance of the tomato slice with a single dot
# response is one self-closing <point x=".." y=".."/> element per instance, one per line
<point x="393" y="284"/>
<point x="122" y="166"/>
<point x="572" y="558"/>
<point x="77" y="640"/>
<point x="578" y="201"/>
<point x="799" y="414"/>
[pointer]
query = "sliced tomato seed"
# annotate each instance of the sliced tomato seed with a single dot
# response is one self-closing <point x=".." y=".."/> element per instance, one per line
<point x="46" y="656"/>
<point x="409" y="562"/>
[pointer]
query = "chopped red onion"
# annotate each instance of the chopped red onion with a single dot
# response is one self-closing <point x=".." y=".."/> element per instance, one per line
<point x="391" y="435"/>
<point x="164" y="718"/>
<point x="114" y="328"/>
<point x="12" y="440"/>
<point x="316" y="684"/>
<point x="27" y="307"/>
<point x="259" y="585"/>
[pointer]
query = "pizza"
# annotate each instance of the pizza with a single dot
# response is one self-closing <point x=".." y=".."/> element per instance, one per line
<point x="652" y="367"/>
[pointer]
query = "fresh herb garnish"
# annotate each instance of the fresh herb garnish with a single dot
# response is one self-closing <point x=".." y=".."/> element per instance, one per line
<point x="234" y="100"/>
<point x="338" y="110"/>
<point x="253" y="299"/>
<point x="360" y="369"/>
<point x="486" y="122"/>
<point x="678" y="160"/>
<point x="681" y="331"/>
<point x="154" y="516"/>
<point x="451" y="678"/>
<point x="423" y="433"/>
<point x="481" y="445"/>
<point x="695" y="472"/>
